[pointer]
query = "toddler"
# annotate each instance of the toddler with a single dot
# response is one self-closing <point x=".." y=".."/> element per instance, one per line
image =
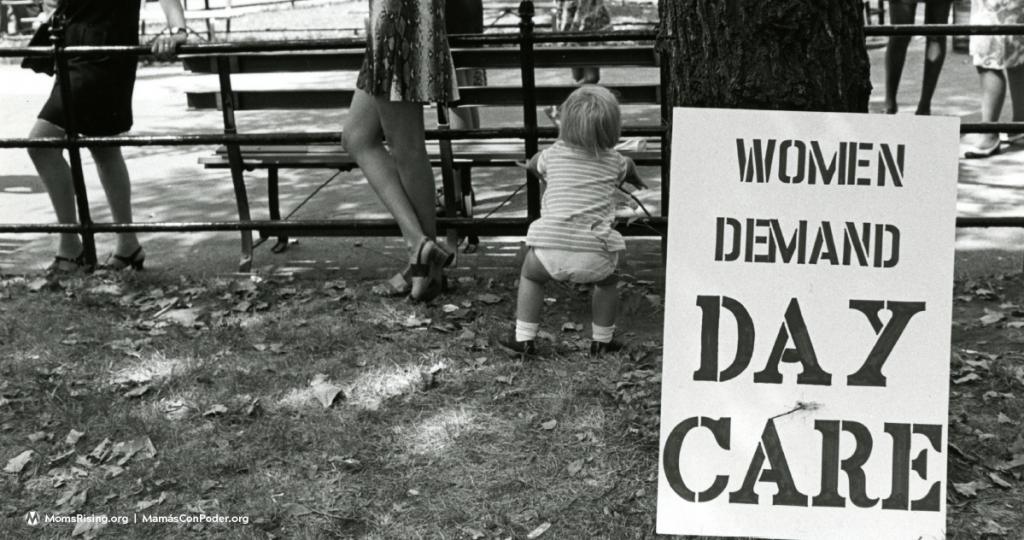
<point x="574" y="239"/>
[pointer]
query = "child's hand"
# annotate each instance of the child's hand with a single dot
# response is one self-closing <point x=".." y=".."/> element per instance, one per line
<point x="635" y="181"/>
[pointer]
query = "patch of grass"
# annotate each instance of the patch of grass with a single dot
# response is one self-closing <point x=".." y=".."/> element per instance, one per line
<point x="438" y="434"/>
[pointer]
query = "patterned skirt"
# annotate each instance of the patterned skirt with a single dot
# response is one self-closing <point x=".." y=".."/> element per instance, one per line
<point x="407" y="55"/>
<point x="997" y="52"/>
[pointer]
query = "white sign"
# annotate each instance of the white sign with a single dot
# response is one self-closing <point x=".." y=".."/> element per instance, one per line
<point x="807" y="325"/>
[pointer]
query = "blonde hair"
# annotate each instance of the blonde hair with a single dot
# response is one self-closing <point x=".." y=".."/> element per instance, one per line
<point x="590" y="119"/>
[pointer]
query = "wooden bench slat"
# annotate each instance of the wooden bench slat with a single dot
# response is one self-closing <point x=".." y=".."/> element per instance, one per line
<point x="251" y="100"/>
<point x="495" y="58"/>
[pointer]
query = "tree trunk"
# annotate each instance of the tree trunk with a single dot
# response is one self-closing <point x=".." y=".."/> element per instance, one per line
<point x="806" y="55"/>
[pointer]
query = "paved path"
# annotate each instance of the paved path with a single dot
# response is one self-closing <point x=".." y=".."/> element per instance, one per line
<point x="169" y="185"/>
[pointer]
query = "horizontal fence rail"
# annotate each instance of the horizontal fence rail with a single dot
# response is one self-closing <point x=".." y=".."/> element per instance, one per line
<point x="526" y="40"/>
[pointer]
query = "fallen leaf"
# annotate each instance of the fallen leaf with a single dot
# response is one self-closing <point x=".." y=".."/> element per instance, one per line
<point x="112" y="471"/>
<point x="575" y="467"/>
<point x="73" y="437"/>
<point x="536" y="533"/>
<point x="999" y="481"/>
<point x="216" y="410"/>
<point x="449" y="308"/>
<point x="39" y="284"/>
<point x="137" y="392"/>
<point x="296" y="509"/>
<point x="101" y="452"/>
<point x="489" y="299"/>
<point x="17" y="463"/>
<point x="147" y="504"/>
<point x="182" y="317"/>
<point x="993" y="528"/>
<point x="106" y="288"/>
<point x="253" y="408"/>
<point x="549" y="425"/>
<point x="967" y="378"/>
<point x="415" y="322"/>
<point x="991" y="317"/>
<point x="38" y="436"/>
<point x="325" y="391"/>
<point x="1003" y="419"/>
<point x="971" y="489"/>
<point x="473" y="534"/>
<point x="88" y="529"/>
<point x="571" y="327"/>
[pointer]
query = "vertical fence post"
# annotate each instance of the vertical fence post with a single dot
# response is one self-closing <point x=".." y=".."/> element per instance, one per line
<point x="71" y="135"/>
<point x="526" y="59"/>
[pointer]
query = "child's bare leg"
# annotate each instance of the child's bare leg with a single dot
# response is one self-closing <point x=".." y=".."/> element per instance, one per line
<point x="531" y="289"/>
<point x="605" y="308"/>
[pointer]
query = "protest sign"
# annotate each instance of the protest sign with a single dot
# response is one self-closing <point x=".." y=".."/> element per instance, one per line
<point x="807" y="325"/>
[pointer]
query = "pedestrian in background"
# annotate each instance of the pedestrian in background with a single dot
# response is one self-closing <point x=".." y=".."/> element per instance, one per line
<point x="1000" y="63"/>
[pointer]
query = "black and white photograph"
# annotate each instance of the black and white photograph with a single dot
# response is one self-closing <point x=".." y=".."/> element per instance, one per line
<point x="512" y="270"/>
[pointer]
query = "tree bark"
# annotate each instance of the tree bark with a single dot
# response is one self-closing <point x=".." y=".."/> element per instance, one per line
<point x="806" y="55"/>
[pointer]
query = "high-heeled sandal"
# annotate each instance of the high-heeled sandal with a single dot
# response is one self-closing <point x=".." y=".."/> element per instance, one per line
<point x="68" y="265"/>
<point x="430" y="262"/>
<point x="134" y="261"/>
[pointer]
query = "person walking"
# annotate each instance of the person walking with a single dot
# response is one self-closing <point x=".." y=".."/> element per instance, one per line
<point x="407" y="63"/>
<point x="101" y="105"/>
<point x="1000" y="63"/>
<point x="903" y="12"/>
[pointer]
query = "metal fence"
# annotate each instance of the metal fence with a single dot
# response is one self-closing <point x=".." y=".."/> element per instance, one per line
<point x="530" y="133"/>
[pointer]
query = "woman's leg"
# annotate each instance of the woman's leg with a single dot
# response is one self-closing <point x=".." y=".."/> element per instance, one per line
<point x="55" y="173"/>
<point x="404" y="130"/>
<point x="113" y="172"/>
<point x="363" y="137"/>
<point x="901" y="12"/>
<point x="1015" y="80"/>
<point x="934" y="54"/>
<point x="993" y="93"/>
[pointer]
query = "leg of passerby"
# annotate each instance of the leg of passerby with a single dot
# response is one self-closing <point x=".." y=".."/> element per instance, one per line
<point x="993" y="93"/>
<point x="1015" y="80"/>
<point x="901" y="12"/>
<point x="55" y="174"/>
<point x="113" y="173"/>
<point x="934" y="54"/>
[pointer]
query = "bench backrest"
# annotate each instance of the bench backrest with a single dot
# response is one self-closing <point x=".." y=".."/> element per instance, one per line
<point x="490" y="58"/>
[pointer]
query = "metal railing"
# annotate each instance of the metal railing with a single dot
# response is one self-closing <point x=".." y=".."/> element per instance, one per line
<point x="530" y="133"/>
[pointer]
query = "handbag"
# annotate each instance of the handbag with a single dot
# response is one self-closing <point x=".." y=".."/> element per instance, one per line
<point x="40" y="64"/>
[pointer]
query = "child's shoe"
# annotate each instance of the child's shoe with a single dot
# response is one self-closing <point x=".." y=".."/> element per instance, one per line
<point x="598" y="348"/>
<point x="519" y="348"/>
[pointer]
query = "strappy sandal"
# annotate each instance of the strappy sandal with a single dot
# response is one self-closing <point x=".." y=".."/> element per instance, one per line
<point x="398" y="285"/>
<point x="134" y="261"/>
<point x="430" y="262"/>
<point x="62" y="266"/>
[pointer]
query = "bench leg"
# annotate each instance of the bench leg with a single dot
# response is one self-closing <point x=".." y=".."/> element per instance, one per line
<point x="468" y="200"/>
<point x="242" y="202"/>
<point x="275" y="207"/>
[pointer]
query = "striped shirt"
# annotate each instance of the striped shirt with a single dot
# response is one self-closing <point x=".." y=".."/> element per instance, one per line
<point x="578" y="208"/>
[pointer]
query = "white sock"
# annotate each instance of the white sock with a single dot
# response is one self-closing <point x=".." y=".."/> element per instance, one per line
<point x="526" y="331"/>
<point x="603" y="334"/>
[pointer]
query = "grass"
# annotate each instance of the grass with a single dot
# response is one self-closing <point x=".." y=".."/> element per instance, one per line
<point x="436" y="435"/>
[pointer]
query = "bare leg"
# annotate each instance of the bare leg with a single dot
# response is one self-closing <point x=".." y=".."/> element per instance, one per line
<point x="902" y="12"/>
<point x="117" y="186"/>
<point x="55" y="173"/>
<point x="605" y="301"/>
<point x="993" y="93"/>
<point x="364" y="138"/>
<point x="935" y="54"/>
<point x="531" y="289"/>
<point x="404" y="130"/>
<point x="1015" y="80"/>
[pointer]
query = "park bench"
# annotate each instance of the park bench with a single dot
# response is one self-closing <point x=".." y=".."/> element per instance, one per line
<point x="464" y="155"/>
<point x="9" y="19"/>
<point x="210" y="17"/>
